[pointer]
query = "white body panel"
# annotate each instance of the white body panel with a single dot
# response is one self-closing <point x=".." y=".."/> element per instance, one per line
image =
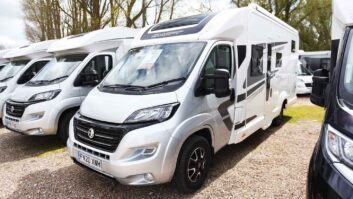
<point x="112" y="42"/>
<point x="257" y="100"/>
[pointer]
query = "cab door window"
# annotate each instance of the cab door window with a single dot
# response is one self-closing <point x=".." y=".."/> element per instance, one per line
<point x="31" y="71"/>
<point x="219" y="58"/>
<point x="96" y="69"/>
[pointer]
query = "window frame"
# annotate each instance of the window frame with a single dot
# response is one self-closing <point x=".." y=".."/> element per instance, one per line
<point x="29" y="67"/>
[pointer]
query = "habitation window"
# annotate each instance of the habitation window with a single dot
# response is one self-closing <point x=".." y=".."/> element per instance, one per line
<point x="278" y="60"/>
<point x="257" y="60"/>
<point x="293" y="46"/>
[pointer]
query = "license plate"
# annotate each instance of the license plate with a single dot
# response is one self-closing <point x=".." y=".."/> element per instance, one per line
<point x="89" y="161"/>
<point x="12" y="124"/>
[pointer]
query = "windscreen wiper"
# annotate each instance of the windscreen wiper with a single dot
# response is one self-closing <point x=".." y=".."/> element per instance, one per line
<point x="125" y="87"/>
<point x="58" y="78"/>
<point x="38" y="82"/>
<point x="6" y="79"/>
<point x="165" y="82"/>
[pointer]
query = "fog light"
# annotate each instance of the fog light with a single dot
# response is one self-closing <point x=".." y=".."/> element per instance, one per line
<point x="37" y="131"/>
<point x="148" y="177"/>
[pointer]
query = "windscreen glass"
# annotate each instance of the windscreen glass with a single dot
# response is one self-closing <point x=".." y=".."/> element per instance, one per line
<point x="58" y="69"/>
<point x="154" y="65"/>
<point x="302" y="71"/>
<point x="346" y="77"/>
<point x="11" y="69"/>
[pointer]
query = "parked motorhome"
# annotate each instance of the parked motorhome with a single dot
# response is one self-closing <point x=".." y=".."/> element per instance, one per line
<point x="3" y="61"/>
<point x="187" y="88"/>
<point x="24" y="63"/>
<point x="304" y="79"/>
<point x="45" y="105"/>
<point x="315" y="60"/>
<point x="331" y="170"/>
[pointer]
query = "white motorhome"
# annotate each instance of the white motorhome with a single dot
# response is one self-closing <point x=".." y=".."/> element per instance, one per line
<point x="315" y="60"/>
<point x="25" y="63"/>
<point x="304" y="79"/>
<point x="187" y="88"/>
<point x="45" y="105"/>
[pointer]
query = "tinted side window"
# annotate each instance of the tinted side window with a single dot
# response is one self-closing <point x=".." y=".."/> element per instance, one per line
<point x="257" y="61"/>
<point x="31" y="72"/>
<point x="220" y="57"/>
<point x="98" y="67"/>
<point x="278" y="60"/>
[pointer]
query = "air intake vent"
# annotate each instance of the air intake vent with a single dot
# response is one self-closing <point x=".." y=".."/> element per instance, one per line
<point x="185" y="21"/>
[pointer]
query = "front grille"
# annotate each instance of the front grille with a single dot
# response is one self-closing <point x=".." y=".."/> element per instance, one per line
<point x="15" y="109"/>
<point x="308" y="84"/>
<point x="107" y="136"/>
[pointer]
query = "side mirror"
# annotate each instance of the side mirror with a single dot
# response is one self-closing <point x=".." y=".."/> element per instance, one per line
<point x="320" y="82"/>
<point x="88" y="79"/>
<point x="221" y="83"/>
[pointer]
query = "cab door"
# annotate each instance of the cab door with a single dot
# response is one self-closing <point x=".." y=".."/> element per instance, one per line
<point x="220" y="57"/>
<point x="94" y="72"/>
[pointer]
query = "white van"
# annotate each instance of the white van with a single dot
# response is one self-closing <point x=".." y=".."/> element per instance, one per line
<point x="25" y="63"/>
<point x="187" y="88"/>
<point x="304" y="80"/>
<point x="45" y="105"/>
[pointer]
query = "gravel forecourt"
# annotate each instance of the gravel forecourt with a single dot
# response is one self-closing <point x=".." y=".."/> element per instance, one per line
<point x="269" y="164"/>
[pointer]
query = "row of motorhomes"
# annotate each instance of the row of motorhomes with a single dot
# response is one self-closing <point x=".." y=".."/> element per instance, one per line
<point x="155" y="108"/>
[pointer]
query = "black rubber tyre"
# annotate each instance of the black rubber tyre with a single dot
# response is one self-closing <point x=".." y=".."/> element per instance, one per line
<point x="279" y="119"/>
<point x="63" y="127"/>
<point x="193" y="164"/>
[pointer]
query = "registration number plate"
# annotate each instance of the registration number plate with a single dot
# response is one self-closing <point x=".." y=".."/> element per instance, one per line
<point x="12" y="124"/>
<point x="89" y="161"/>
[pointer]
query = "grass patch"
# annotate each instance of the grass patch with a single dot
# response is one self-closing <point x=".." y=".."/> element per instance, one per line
<point x="45" y="154"/>
<point x="299" y="113"/>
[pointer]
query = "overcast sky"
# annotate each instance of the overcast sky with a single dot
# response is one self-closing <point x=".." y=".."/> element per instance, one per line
<point x="12" y="31"/>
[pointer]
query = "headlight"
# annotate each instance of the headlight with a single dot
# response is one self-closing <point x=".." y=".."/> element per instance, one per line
<point x="339" y="145"/>
<point x="2" y="89"/>
<point x="157" y="113"/>
<point x="48" y="95"/>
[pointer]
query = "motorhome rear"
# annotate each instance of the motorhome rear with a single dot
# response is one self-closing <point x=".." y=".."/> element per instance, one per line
<point x="187" y="88"/>
<point x="45" y="105"/>
<point x="315" y="60"/>
<point x="24" y="63"/>
<point x="331" y="167"/>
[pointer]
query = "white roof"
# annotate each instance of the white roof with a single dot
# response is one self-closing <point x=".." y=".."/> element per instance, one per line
<point x="226" y="24"/>
<point x="32" y="51"/>
<point x="315" y="53"/>
<point x="342" y="17"/>
<point x="2" y="53"/>
<point x="94" y="41"/>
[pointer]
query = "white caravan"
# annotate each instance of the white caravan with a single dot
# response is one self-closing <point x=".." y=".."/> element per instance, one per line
<point x="25" y="63"/>
<point x="304" y="80"/>
<point x="187" y="88"/>
<point x="315" y="60"/>
<point x="45" y="105"/>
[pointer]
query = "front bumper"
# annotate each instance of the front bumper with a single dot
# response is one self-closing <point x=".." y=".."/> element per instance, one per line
<point x="324" y="178"/>
<point x="128" y="168"/>
<point x="37" y="119"/>
<point x="303" y="90"/>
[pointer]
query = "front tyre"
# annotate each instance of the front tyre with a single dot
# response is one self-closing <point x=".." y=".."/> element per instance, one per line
<point x="64" y="122"/>
<point x="193" y="164"/>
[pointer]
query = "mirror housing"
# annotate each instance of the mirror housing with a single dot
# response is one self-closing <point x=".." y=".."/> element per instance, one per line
<point x="320" y="82"/>
<point x="87" y="79"/>
<point x="221" y="83"/>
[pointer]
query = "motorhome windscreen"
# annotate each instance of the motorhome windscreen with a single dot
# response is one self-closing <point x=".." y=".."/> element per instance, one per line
<point x="11" y="69"/>
<point x="302" y="71"/>
<point x="346" y="77"/>
<point x="154" y="66"/>
<point x="58" y="69"/>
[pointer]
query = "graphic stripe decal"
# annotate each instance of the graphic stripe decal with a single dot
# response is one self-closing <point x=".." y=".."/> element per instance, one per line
<point x="242" y="124"/>
<point x="253" y="89"/>
<point x="223" y="111"/>
<point x="241" y="97"/>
